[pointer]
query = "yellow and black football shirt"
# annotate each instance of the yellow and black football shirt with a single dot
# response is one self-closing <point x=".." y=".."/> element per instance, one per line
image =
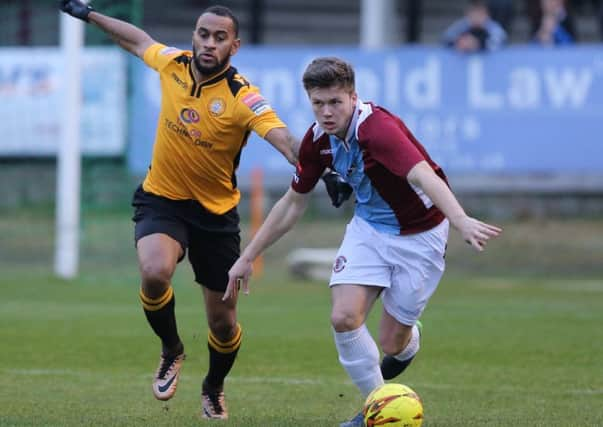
<point x="201" y="131"/>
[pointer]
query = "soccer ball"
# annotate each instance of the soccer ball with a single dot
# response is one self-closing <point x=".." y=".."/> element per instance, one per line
<point x="393" y="405"/>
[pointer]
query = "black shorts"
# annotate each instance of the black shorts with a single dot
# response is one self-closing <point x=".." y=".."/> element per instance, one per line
<point x="213" y="241"/>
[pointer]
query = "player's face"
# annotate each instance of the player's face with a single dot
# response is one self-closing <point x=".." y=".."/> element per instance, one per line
<point x="214" y="42"/>
<point x="333" y="108"/>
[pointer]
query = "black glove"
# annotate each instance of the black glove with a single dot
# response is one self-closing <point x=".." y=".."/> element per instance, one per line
<point x="76" y="8"/>
<point x="339" y="190"/>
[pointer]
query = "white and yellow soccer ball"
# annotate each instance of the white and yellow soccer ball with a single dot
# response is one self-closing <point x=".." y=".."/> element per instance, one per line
<point x="393" y="405"/>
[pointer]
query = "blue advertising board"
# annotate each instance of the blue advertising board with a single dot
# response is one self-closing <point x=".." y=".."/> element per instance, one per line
<point x="521" y="110"/>
<point x="32" y="88"/>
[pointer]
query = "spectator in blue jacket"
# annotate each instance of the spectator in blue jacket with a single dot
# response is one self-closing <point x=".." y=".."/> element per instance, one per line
<point x="476" y="31"/>
<point x="541" y="12"/>
<point x="552" y="33"/>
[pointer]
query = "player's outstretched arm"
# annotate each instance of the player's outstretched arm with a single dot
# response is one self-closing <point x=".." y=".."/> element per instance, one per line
<point x="474" y="232"/>
<point x="282" y="217"/>
<point x="283" y="141"/>
<point x="128" y="36"/>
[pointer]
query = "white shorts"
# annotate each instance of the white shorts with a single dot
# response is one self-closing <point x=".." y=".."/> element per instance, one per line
<point x="408" y="267"/>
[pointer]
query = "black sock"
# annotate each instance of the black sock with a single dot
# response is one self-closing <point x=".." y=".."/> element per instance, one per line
<point x="392" y="367"/>
<point x="160" y="313"/>
<point x="221" y="358"/>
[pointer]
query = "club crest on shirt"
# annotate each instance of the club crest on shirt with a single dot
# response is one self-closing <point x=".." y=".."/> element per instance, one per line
<point x="256" y="103"/>
<point x="339" y="263"/>
<point x="217" y="106"/>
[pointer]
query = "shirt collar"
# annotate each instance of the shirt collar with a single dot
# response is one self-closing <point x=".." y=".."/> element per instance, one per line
<point x="351" y="133"/>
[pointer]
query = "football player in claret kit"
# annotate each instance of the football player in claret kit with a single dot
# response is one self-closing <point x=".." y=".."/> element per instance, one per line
<point x="394" y="245"/>
<point x="188" y="200"/>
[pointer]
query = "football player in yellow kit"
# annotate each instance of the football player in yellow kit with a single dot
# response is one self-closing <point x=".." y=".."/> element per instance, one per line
<point x="188" y="199"/>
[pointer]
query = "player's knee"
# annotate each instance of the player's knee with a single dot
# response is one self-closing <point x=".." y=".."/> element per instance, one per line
<point x="155" y="279"/>
<point x="222" y="327"/>
<point x="343" y="321"/>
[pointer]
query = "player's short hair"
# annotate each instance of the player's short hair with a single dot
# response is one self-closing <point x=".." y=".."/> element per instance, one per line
<point x="327" y="72"/>
<point x="225" y="12"/>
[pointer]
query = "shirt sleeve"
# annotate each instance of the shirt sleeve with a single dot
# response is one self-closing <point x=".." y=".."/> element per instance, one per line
<point x="256" y="111"/>
<point x="453" y="32"/>
<point x="309" y="168"/>
<point x="390" y="145"/>
<point x="158" y="55"/>
<point x="497" y="36"/>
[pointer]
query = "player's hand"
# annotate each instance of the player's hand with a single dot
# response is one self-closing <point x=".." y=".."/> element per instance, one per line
<point x="238" y="276"/>
<point x="475" y="232"/>
<point x="76" y="8"/>
<point x="339" y="190"/>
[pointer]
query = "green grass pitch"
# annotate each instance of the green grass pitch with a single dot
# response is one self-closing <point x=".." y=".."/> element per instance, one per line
<point x="523" y="348"/>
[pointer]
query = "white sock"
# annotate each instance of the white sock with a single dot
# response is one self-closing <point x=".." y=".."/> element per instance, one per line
<point x="359" y="355"/>
<point x="412" y="347"/>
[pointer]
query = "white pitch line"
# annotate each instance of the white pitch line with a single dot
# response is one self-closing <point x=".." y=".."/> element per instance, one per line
<point x="40" y="372"/>
<point x="587" y="391"/>
<point x="579" y="285"/>
<point x="503" y="389"/>
<point x="280" y="380"/>
<point x="250" y="380"/>
<point x="305" y="381"/>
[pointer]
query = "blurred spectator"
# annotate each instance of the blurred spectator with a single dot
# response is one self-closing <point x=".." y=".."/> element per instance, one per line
<point x="537" y="11"/>
<point x="476" y="31"/>
<point x="503" y="12"/>
<point x="551" y="32"/>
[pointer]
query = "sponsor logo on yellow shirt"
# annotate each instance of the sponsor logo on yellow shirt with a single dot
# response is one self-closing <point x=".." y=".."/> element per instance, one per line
<point x="188" y="115"/>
